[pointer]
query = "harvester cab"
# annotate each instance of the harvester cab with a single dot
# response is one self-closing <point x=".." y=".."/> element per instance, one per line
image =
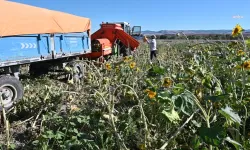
<point x="134" y="31"/>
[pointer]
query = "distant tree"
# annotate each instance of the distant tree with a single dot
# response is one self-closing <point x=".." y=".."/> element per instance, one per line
<point x="163" y="37"/>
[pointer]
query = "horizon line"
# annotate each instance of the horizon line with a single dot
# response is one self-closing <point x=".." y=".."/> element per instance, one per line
<point x="191" y="29"/>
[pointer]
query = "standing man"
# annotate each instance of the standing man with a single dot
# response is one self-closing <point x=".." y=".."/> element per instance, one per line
<point x="152" y="46"/>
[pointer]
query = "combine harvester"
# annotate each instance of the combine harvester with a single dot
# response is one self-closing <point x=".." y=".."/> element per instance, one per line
<point x="114" y="38"/>
<point x="45" y="38"/>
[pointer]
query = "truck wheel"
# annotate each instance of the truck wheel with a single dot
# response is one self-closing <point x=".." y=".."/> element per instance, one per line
<point x="11" y="90"/>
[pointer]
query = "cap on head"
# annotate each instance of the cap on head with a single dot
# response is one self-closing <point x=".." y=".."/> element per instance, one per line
<point x="153" y="36"/>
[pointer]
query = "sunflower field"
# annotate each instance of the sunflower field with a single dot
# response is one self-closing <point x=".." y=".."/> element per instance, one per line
<point x="195" y="97"/>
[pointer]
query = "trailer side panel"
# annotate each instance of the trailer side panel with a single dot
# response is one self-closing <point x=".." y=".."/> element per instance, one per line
<point x="24" y="49"/>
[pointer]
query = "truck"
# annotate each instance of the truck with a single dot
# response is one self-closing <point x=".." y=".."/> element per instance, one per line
<point x="42" y="38"/>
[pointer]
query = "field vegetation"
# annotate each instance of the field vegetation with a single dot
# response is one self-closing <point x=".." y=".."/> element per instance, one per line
<point x="200" y="36"/>
<point x="197" y="97"/>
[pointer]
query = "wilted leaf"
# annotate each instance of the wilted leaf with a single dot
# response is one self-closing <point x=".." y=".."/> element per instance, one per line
<point x="236" y="144"/>
<point x="163" y="97"/>
<point x="150" y="83"/>
<point x="196" y="123"/>
<point x="178" y="89"/>
<point x="59" y="135"/>
<point x="185" y="103"/>
<point x="214" y="118"/>
<point x="35" y="142"/>
<point x="172" y="115"/>
<point x="230" y="115"/>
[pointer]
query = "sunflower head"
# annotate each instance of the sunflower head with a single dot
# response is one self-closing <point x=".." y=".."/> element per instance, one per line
<point x="127" y="59"/>
<point x="237" y="30"/>
<point x="132" y="65"/>
<point x="167" y="82"/>
<point x="142" y="147"/>
<point x="151" y="94"/>
<point x="240" y="53"/>
<point x="108" y="66"/>
<point x="246" y="65"/>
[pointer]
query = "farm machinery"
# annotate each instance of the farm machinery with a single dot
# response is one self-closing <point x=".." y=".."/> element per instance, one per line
<point x="45" y="39"/>
<point x="114" y="39"/>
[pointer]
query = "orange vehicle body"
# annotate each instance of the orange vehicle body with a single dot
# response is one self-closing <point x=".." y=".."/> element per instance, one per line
<point x="106" y="36"/>
<point x="104" y="48"/>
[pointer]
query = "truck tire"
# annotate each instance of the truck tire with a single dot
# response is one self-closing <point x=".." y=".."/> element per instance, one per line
<point x="11" y="90"/>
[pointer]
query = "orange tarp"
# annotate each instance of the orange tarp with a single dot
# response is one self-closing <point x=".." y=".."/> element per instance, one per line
<point x="17" y="19"/>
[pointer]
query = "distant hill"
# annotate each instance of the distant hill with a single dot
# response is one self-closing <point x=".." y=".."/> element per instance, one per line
<point x="188" y="32"/>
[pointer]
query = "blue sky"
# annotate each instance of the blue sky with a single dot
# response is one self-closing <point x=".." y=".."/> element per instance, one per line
<point x="156" y="14"/>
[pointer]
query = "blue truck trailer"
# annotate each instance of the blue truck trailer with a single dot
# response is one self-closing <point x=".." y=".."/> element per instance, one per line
<point x="45" y="39"/>
<point x="17" y="50"/>
<point x="38" y="50"/>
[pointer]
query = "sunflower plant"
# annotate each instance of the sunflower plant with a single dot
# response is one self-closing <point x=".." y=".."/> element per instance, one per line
<point x="237" y="30"/>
